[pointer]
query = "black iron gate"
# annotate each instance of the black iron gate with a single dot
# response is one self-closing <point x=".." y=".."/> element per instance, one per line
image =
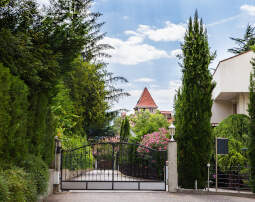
<point x="113" y="166"/>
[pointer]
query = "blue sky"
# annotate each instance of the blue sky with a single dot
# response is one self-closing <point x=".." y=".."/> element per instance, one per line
<point x="146" y="35"/>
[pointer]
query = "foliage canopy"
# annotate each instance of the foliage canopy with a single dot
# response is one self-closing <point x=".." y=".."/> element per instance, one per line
<point x="245" y="43"/>
<point x="193" y="106"/>
<point x="235" y="128"/>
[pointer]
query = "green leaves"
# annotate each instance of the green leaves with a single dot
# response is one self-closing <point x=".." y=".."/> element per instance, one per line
<point x="13" y="116"/>
<point x="193" y="106"/>
<point x="251" y="110"/>
<point x="235" y="128"/>
<point x="147" y="123"/>
<point x="245" y="43"/>
<point x="125" y="129"/>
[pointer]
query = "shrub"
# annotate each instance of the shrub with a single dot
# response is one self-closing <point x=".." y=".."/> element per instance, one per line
<point x="38" y="171"/>
<point x="147" y="123"/>
<point x="235" y="128"/>
<point x="21" y="185"/>
<point x="4" y="188"/>
<point x="76" y="159"/>
<point x="156" y="140"/>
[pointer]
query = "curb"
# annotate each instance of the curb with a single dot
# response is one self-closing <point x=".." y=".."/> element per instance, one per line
<point x="201" y="192"/>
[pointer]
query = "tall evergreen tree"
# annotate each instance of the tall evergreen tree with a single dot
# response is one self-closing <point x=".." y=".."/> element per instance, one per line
<point x="193" y="107"/>
<point x="125" y="129"/>
<point x="88" y="95"/>
<point x="71" y="29"/>
<point x="27" y="55"/>
<point x="245" y="43"/>
<point x="251" y="109"/>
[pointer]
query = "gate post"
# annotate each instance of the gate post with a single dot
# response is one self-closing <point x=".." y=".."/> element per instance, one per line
<point x="172" y="167"/>
<point x="56" y="186"/>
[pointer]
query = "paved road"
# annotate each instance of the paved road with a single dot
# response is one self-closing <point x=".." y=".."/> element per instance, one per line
<point x="102" y="175"/>
<point x="119" y="196"/>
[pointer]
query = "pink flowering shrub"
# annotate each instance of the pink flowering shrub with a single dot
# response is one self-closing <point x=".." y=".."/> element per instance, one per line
<point x="156" y="140"/>
<point x="104" y="151"/>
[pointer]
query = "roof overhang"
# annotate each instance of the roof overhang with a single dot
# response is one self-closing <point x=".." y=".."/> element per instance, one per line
<point x="226" y="96"/>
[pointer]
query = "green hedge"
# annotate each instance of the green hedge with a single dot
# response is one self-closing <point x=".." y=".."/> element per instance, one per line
<point x="25" y="182"/>
<point x="38" y="171"/>
<point x="13" y="116"/>
<point x="18" y="186"/>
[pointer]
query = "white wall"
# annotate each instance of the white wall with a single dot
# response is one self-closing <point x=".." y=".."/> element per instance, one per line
<point x="221" y="110"/>
<point x="242" y="104"/>
<point x="233" y="74"/>
<point x="232" y="78"/>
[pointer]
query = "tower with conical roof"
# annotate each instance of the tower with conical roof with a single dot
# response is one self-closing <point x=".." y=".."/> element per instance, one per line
<point x="146" y="102"/>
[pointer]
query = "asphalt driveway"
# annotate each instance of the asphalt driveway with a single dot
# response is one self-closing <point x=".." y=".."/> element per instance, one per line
<point x="133" y="196"/>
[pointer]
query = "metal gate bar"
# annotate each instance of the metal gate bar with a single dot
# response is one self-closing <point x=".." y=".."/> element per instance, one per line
<point x="113" y="166"/>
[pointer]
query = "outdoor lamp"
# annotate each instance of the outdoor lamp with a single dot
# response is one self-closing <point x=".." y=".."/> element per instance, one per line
<point x="172" y="132"/>
<point x="208" y="166"/>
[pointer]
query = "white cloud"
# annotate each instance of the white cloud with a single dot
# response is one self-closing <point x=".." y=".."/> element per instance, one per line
<point x="125" y="17"/>
<point x="176" y="52"/>
<point x="129" y="32"/>
<point x="165" y="97"/>
<point x="175" y="84"/>
<point x="147" y="80"/>
<point x="136" y="93"/>
<point x="249" y="9"/>
<point x="223" y="21"/>
<point x="134" y="40"/>
<point x="132" y="51"/>
<point x="154" y="86"/>
<point x="171" y="32"/>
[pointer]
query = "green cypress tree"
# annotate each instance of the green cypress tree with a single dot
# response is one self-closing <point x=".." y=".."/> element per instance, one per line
<point x="251" y="109"/>
<point x="125" y="129"/>
<point x="122" y="129"/>
<point x="193" y="107"/>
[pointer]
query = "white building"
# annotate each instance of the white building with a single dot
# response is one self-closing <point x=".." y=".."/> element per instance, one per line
<point x="231" y="94"/>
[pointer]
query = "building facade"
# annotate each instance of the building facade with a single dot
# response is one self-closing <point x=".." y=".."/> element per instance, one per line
<point x="145" y="103"/>
<point x="231" y="94"/>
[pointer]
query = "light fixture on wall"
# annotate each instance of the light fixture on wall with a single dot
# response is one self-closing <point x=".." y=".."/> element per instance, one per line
<point x="172" y="132"/>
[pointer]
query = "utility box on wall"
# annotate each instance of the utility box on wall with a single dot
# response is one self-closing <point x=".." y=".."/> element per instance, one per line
<point x="56" y="178"/>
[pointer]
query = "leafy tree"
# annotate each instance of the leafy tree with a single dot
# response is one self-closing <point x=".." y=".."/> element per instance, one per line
<point x="251" y="109"/>
<point x="193" y="107"/>
<point x="3" y="3"/>
<point x="88" y="95"/>
<point x="25" y="52"/>
<point x="114" y="94"/>
<point x="235" y="128"/>
<point x="117" y="122"/>
<point x="63" y="110"/>
<point x="22" y="48"/>
<point x="71" y="30"/>
<point x="245" y="43"/>
<point x="147" y="123"/>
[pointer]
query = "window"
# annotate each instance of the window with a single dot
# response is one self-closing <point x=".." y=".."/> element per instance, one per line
<point x="151" y="110"/>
